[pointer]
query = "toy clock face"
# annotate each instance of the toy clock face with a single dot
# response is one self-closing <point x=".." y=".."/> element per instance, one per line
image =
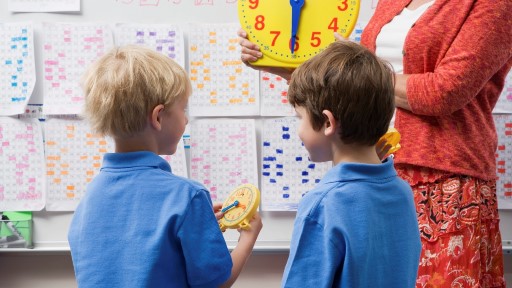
<point x="239" y="207"/>
<point x="271" y="25"/>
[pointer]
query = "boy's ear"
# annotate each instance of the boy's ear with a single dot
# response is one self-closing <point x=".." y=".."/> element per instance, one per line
<point x="330" y="124"/>
<point x="156" y="117"/>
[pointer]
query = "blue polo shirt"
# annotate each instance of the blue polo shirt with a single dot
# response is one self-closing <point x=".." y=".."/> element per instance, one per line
<point x="356" y="228"/>
<point x="139" y="225"/>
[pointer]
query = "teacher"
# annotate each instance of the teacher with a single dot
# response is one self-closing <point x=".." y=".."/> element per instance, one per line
<point x="450" y="60"/>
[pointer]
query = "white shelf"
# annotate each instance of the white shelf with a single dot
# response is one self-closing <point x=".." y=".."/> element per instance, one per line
<point x="260" y="248"/>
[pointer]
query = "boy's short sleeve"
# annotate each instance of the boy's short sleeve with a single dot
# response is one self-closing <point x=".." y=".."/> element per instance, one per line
<point x="313" y="258"/>
<point x="207" y="258"/>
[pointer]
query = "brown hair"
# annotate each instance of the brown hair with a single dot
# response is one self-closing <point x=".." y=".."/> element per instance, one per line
<point x="351" y="82"/>
<point x="125" y="84"/>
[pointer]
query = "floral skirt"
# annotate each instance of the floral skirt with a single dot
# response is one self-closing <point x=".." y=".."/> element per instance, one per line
<point x="459" y="227"/>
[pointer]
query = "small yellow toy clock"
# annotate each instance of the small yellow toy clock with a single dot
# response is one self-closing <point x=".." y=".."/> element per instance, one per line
<point x="392" y="137"/>
<point x="289" y="32"/>
<point x="239" y="207"/>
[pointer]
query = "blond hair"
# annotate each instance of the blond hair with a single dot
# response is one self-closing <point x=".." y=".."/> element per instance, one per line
<point x="124" y="85"/>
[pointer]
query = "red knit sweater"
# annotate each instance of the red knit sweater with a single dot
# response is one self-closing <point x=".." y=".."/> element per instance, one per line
<point x="458" y="54"/>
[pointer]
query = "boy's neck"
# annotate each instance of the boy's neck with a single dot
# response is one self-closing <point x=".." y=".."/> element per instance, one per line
<point x="355" y="153"/>
<point x="142" y="141"/>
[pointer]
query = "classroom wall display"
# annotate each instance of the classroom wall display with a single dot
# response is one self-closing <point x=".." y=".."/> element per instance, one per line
<point x="239" y="118"/>
<point x="17" y="67"/>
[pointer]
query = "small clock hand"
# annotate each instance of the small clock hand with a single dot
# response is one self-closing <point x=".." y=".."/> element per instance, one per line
<point x="230" y="206"/>
<point x="296" y="7"/>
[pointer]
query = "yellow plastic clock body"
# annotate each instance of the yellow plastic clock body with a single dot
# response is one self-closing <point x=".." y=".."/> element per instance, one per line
<point x="268" y="24"/>
<point x="239" y="207"/>
<point x="392" y="137"/>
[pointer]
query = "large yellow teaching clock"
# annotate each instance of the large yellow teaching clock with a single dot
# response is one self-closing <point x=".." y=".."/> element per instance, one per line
<point x="289" y="32"/>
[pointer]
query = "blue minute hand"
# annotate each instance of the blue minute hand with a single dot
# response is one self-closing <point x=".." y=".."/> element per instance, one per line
<point x="296" y="7"/>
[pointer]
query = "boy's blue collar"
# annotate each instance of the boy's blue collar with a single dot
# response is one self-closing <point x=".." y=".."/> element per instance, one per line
<point x="348" y="171"/>
<point x="135" y="159"/>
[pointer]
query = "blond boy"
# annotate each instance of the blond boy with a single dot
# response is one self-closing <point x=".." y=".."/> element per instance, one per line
<point x="139" y="225"/>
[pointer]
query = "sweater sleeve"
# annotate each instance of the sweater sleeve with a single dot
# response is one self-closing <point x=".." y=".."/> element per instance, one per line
<point x="482" y="46"/>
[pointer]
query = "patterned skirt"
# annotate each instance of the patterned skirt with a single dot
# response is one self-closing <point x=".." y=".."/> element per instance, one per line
<point x="459" y="227"/>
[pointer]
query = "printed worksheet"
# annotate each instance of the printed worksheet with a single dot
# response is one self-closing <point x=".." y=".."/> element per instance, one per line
<point x="166" y="39"/>
<point x="44" y="5"/>
<point x="504" y="160"/>
<point x="223" y="154"/>
<point x="274" y="92"/>
<point x="17" y="67"/>
<point x="73" y="157"/>
<point x="22" y="186"/>
<point x="68" y="50"/>
<point x="221" y="84"/>
<point x="286" y="173"/>
<point x="504" y="104"/>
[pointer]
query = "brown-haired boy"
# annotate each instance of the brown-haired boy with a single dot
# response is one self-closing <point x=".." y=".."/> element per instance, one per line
<point x="357" y="227"/>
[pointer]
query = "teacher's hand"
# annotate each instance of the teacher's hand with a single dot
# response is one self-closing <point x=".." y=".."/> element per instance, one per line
<point x="251" y="52"/>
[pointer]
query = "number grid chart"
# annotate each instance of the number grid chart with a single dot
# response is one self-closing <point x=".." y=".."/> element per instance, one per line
<point x="504" y="160"/>
<point x="504" y="104"/>
<point x="223" y="154"/>
<point x="286" y="172"/>
<point x="73" y="157"/>
<point x="17" y="67"/>
<point x="221" y="84"/>
<point x="274" y="92"/>
<point x="22" y="186"/>
<point x="166" y="39"/>
<point x="178" y="160"/>
<point x="68" y="50"/>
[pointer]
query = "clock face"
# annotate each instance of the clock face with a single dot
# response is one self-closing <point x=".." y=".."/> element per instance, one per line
<point x="241" y="204"/>
<point x="268" y="24"/>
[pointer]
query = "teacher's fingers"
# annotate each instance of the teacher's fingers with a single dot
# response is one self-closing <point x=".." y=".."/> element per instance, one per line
<point x="249" y="55"/>
<point x="241" y="33"/>
<point x="339" y="37"/>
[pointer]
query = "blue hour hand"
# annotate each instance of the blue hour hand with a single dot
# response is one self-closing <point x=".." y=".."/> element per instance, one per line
<point x="296" y="8"/>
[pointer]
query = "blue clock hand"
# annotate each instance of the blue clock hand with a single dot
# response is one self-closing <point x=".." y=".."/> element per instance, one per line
<point x="296" y="7"/>
<point x="229" y="207"/>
